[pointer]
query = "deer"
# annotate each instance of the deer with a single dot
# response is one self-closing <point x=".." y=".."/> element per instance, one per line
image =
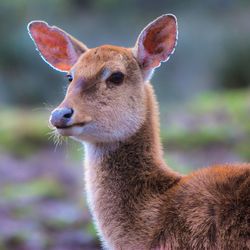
<point x="136" y="200"/>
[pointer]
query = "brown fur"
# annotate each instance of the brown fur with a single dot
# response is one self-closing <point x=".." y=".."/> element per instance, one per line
<point x="137" y="202"/>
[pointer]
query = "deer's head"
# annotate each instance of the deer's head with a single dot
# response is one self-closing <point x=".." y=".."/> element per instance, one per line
<point x="105" y="99"/>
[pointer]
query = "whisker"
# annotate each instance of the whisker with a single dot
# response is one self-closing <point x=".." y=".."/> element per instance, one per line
<point x="56" y="138"/>
<point x="46" y="107"/>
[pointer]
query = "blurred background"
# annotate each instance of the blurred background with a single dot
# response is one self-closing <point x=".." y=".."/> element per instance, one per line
<point x="203" y="90"/>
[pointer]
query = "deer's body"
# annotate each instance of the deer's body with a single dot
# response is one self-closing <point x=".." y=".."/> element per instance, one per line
<point x="138" y="202"/>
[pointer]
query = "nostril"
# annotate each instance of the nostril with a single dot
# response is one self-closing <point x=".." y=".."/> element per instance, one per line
<point x="61" y="117"/>
<point x="68" y="114"/>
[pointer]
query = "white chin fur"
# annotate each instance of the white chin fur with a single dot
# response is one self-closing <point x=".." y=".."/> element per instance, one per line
<point x="72" y="131"/>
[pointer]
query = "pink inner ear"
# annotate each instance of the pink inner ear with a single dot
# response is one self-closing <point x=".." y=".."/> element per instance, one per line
<point x="161" y="36"/>
<point x="157" y="41"/>
<point x="53" y="45"/>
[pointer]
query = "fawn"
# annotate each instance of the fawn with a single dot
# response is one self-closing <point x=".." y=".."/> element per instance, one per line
<point x="136" y="200"/>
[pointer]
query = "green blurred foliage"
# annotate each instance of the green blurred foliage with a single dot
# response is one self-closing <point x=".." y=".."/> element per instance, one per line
<point x="218" y="118"/>
<point x="46" y="188"/>
<point x="23" y="132"/>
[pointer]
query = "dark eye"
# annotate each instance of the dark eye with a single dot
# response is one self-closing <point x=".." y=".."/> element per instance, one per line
<point x="70" y="77"/>
<point x="116" y="78"/>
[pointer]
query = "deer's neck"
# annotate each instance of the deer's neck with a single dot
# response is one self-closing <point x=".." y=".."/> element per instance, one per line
<point x="125" y="182"/>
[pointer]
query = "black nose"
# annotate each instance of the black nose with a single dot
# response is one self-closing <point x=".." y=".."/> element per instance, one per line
<point x="61" y="117"/>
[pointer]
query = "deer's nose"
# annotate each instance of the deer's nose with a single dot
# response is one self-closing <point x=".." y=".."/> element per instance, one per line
<point x="61" y="117"/>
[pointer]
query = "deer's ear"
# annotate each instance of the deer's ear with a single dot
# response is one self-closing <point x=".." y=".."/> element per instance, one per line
<point x="59" y="49"/>
<point x="156" y="43"/>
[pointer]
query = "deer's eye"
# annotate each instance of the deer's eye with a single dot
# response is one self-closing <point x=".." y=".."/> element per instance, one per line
<point x="116" y="78"/>
<point x="70" y="77"/>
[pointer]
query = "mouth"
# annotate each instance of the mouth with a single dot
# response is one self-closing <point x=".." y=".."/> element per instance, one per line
<point x="81" y="124"/>
<point x="71" y="130"/>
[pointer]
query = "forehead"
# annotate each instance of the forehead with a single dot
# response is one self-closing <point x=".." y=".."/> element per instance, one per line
<point x="106" y="56"/>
